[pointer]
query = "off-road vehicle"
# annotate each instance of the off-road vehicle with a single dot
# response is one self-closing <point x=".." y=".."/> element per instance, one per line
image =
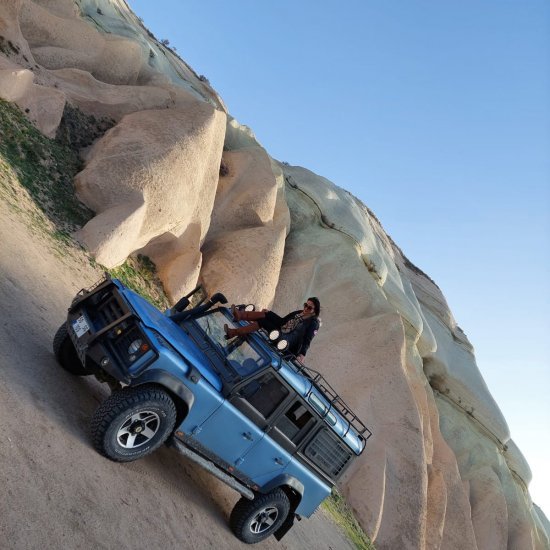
<point x="244" y="409"/>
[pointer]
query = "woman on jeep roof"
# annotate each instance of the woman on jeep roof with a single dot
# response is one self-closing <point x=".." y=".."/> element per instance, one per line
<point x="298" y="327"/>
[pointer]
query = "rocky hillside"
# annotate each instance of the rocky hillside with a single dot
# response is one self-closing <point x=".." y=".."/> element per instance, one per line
<point x="170" y="174"/>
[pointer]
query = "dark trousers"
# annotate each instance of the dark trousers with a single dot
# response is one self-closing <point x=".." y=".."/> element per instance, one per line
<point x="271" y="321"/>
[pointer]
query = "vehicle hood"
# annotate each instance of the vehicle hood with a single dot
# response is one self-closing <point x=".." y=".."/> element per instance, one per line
<point x="155" y="320"/>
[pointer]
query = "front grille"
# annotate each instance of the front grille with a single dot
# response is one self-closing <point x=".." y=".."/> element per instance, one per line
<point x="113" y="327"/>
<point x="109" y="311"/>
<point x="328" y="453"/>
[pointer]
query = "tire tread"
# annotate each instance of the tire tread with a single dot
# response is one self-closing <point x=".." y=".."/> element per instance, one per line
<point x="244" y="508"/>
<point x="116" y="404"/>
<point x="62" y="344"/>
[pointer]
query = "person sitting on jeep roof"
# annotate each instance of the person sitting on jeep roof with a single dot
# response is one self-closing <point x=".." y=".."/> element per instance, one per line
<point x="298" y="327"/>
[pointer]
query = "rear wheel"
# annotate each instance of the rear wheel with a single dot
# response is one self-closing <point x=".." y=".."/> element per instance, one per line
<point x="254" y="520"/>
<point x="133" y="422"/>
<point x="65" y="352"/>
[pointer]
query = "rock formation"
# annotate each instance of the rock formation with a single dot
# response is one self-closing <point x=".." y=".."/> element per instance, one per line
<point x="178" y="179"/>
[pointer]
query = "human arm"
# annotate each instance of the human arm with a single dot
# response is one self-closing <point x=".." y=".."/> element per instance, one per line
<point x="311" y="330"/>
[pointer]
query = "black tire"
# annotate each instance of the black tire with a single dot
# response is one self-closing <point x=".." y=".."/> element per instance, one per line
<point x="254" y="520"/>
<point x="65" y="352"/>
<point x="133" y="422"/>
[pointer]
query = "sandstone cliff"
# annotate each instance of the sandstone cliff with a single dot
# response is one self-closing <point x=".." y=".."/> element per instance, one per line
<point x="177" y="178"/>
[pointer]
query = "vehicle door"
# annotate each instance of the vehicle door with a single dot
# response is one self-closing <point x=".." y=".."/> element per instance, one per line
<point x="228" y="433"/>
<point x="264" y="400"/>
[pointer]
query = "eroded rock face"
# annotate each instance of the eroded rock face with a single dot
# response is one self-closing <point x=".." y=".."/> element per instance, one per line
<point x="410" y="468"/>
<point x="153" y="178"/>
<point x="43" y="106"/>
<point x="245" y="245"/>
<point x="453" y="426"/>
<point x="441" y="470"/>
<point x="18" y="73"/>
<point x="59" y="39"/>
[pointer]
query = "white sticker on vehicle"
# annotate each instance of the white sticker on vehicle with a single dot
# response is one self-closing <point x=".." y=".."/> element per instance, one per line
<point x="80" y="326"/>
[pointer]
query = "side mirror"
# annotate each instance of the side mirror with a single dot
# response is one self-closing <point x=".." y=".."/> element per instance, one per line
<point x="184" y="302"/>
<point x="199" y="309"/>
<point x="218" y="298"/>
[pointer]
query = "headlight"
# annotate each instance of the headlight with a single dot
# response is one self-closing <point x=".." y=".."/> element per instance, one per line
<point x="135" y="346"/>
<point x="131" y="344"/>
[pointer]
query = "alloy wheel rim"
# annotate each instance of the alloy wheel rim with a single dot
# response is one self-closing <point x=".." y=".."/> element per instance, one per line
<point x="138" y="430"/>
<point x="264" y="520"/>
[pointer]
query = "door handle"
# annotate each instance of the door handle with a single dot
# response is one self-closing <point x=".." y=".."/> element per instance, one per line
<point x="279" y="461"/>
<point x="248" y="436"/>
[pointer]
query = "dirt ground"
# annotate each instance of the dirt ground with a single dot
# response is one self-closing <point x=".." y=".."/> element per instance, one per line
<point x="56" y="491"/>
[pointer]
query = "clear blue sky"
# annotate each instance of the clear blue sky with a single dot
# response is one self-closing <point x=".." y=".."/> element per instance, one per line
<point x="437" y="116"/>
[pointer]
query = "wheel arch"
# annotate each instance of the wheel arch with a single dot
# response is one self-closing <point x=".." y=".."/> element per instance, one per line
<point x="293" y="488"/>
<point x="181" y="395"/>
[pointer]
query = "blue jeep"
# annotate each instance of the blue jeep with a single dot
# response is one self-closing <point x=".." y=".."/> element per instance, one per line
<point x="265" y="424"/>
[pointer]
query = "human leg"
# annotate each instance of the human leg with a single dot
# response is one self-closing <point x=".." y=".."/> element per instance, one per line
<point x="240" y="315"/>
<point x="270" y="321"/>
<point x="240" y="331"/>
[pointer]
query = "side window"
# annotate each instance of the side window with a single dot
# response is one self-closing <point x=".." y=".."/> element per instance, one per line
<point x="295" y="423"/>
<point x="265" y="394"/>
<point x="318" y="405"/>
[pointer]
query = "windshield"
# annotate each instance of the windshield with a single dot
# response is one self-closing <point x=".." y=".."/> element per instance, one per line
<point x="240" y="355"/>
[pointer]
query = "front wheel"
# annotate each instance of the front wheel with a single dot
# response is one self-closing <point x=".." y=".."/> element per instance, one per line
<point x="254" y="520"/>
<point x="133" y="422"/>
<point x="65" y="352"/>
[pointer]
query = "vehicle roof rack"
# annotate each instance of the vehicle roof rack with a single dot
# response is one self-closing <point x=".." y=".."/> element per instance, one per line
<point x="335" y="401"/>
<point x="324" y="387"/>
